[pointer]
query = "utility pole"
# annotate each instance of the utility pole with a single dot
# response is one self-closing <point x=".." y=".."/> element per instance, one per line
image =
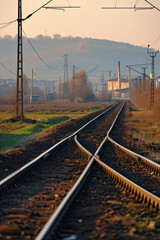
<point x="144" y="76"/>
<point x="129" y="81"/>
<point x="66" y="84"/>
<point x="19" y="87"/>
<point x="152" y="77"/>
<point x="65" y="67"/>
<point x="119" y="76"/>
<point x="73" y="84"/>
<point x="44" y="89"/>
<point x="31" y="93"/>
<point x="19" y="84"/>
<point x="103" y="93"/>
<point x="60" y="88"/>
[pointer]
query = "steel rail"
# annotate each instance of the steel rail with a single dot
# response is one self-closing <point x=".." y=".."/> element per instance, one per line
<point x="11" y="178"/>
<point x="53" y="222"/>
<point x="155" y="167"/>
<point x="139" y="192"/>
<point x="90" y="155"/>
<point x="48" y="230"/>
<point x="106" y="137"/>
<point x="147" y="162"/>
<point x="18" y="173"/>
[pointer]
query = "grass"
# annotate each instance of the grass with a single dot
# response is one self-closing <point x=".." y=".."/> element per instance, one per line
<point x="136" y="109"/>
<point x="14" y="134"/>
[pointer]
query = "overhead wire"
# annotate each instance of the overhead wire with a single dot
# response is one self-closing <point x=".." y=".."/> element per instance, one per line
<point x="30" y="15"/>
<point x="89" y="71"/>
<point x="136" y="3"/>
<point x="68" y="3"/>
<point x="137" y="71"/>
<point x="152" y="5"/>
<point x="7" y="68"/>
<point x="154" y="43"/>
<point x="7" y="24"/>
<point x="53" y="68"/>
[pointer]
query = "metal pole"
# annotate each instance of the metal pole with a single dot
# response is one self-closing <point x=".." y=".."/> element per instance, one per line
<point x="19" y="89"/>
<point x="152" y="55"/>
<point x="129" y="78"/>
<point x="144" y="77"/>
<point x="44" y="86"/>
<point x="152" y="82"/>
<point x="119" y="76"/>
<point x="31" y="94"/>
<point x="73" y="87"/>
<point x="66" y="84"/>
<point x="65" y="67"/>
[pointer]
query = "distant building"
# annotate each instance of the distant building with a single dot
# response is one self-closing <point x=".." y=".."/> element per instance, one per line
<point x="113" y="84"/>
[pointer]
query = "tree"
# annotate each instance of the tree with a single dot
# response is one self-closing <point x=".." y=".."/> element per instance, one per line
<point x="79" y="88"/>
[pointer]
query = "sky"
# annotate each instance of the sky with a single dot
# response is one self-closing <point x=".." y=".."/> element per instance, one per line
<point x="90" y="21"/>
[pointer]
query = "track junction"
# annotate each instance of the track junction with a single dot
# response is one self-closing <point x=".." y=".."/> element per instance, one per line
<point x="43" y="199"/>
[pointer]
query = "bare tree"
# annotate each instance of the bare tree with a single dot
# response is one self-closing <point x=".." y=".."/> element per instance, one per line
<point x="79" y="88"/>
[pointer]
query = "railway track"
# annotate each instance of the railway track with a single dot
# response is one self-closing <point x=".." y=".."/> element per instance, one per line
<point x="27" y="193"/>
<point x="31" y="203"/>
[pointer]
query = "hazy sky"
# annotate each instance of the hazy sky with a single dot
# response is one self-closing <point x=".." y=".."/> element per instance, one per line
<point x="135" y="27"/>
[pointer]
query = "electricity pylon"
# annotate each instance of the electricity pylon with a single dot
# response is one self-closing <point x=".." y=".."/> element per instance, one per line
<point x="152" y="77"/>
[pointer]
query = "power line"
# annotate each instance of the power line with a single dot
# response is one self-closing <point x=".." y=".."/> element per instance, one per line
<point x="7" y="69"/>
<point x="130" y="66"/>
<point x="53" y="68"/>
<point x="30" y="15"/>
<point x="156" y="41"/>
<point x="152" y="5"/>
<point x="89" y="71"/>
<point x="19" y="84"/>
<point x="7" y="24"/>
<point x="136" y="3"/>
<point x="68" y="3"/>
<point x="130" y="8"/>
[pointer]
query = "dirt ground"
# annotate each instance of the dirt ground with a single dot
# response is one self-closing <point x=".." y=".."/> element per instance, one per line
<point x="141" y="131"/>
<point x="57" y="105"/>
<point x="134" y="124"/>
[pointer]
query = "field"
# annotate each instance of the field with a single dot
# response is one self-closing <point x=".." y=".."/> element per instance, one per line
<point x="38" y="119"/>
<point x="144" y="125"/>
<point x="142" y="131"/>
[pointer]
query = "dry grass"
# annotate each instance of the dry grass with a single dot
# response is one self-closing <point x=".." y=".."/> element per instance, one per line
<point x="144" y="126"/>
<point x="57" y="106"/>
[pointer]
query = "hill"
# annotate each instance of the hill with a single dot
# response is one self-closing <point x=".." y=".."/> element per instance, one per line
<point x="84" y="53"/>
